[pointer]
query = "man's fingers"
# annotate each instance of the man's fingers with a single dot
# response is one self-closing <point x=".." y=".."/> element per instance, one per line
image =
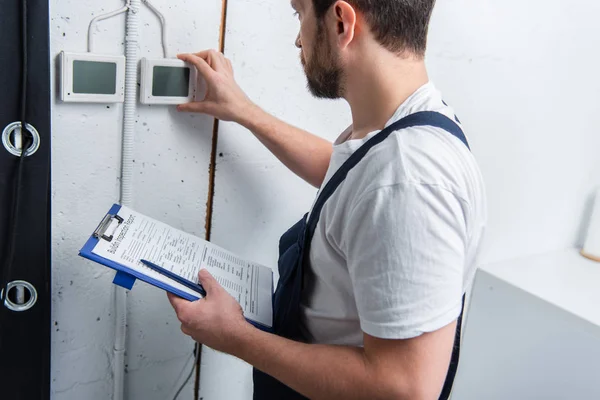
<point x="200" y="64"/>
<point x="203" y="107"/>
<point x="177" y="302"/>
<point x="216" y="60"/>
<point x="194" y="106"/>
<point x="185" y="330"/>
<point x="213" y="58"/>
<point x="203" y="54"/>
<point x="209" y="283"/>
<point x="187" y="107"/>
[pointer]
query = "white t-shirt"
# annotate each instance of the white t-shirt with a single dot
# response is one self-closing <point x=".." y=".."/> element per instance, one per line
<point x="395" y="247"/>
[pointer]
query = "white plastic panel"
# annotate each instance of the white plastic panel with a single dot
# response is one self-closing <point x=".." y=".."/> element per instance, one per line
<point x="519" y="347"/>
<point x="167" y="81"/>
<point x="92" y="78"/>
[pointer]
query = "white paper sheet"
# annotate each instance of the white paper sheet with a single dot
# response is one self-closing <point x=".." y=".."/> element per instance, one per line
<point x="140" y="237"/>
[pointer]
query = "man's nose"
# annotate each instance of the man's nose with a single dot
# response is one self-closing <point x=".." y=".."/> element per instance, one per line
<point x="298" y="43"/>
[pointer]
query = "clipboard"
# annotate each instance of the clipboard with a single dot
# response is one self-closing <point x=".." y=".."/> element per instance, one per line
<point x="125" y="276"/>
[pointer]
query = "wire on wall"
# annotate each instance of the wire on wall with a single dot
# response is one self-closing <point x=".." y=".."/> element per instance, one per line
<point x="163" y="26"/>
<point x="124" y="9"/>
<point x="94" y="22"/>
<point x="178" y="388"/>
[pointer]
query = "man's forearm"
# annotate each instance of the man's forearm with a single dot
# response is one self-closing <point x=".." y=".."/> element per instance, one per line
<point x="317" y="371"/>
<point x="305" y="154"/>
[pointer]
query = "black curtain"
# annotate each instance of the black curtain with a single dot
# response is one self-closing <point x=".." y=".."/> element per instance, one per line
<point x="25" y="336"/>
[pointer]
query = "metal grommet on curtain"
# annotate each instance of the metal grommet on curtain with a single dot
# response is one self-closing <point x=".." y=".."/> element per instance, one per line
<point x="20" y="296"/>
<point x="12" y="138"/>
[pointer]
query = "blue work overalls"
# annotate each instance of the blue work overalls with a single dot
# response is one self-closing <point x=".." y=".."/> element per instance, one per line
<point x="294" y="249"/>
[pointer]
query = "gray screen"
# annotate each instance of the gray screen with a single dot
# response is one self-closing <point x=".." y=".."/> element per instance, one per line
<point x="94" y="77"/>
<point x="170" y="81"/>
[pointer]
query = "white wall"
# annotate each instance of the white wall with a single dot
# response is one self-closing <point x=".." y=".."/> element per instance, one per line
<point x="522" y="78"/>
<point x="520" y="74"/>
<point x="171" y="171"/>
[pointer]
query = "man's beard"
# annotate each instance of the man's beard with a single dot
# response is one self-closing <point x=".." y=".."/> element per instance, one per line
<point x="322" y="71"/>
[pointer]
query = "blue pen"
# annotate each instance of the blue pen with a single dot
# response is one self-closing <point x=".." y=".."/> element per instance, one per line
<point x="189" y="284"/>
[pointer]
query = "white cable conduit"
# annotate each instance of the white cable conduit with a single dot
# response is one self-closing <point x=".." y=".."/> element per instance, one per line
<point x="129" y="109"/>
<point x="120" y="295"/>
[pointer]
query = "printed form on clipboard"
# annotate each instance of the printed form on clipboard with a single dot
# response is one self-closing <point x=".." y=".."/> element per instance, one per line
<point x="124" y="237"/>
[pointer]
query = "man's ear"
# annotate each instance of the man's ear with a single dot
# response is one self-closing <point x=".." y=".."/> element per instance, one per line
<point x="345" y="19"/>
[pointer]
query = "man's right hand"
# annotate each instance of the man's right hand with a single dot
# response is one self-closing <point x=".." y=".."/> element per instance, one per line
<point x="305" y="154"/>
<point x="224" y="98"/>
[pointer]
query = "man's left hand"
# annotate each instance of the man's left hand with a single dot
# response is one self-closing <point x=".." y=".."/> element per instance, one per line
<point x="216" y="320"/>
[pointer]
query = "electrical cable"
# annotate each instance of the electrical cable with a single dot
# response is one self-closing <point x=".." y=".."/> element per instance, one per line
<point x="102" y="17"/>
<point x="184" y="383"/>
<point x="163" y="26"/>
<point x="187" y="379"/>
<point x="25" y="143"/>
<point x="197" y="365"/>
<point x="124" y="9"/>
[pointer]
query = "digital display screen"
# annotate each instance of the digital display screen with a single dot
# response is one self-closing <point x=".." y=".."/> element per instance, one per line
<point x="94" y="77"/>
<point x="170" y="81"/>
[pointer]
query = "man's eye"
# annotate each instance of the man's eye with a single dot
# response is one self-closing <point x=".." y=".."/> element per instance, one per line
<point x="296" y="14"/>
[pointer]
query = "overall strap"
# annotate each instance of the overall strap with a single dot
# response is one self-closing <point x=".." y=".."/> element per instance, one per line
<point x="423" y="118"/>
<point x="453" y="367"/>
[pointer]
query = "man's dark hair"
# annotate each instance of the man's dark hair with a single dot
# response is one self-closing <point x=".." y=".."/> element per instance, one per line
<point x="399" y="25"/>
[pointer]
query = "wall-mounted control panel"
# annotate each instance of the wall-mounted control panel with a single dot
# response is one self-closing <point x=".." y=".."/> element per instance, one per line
<point x="167" y="81"/>
<point x="92" y="78"/>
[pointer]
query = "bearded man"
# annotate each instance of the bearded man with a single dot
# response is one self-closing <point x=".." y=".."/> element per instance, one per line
<point x="373" y="278"/>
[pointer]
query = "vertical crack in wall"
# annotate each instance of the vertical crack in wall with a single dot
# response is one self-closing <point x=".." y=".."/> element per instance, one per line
<point x="215" y="137"/>
<point x="211" y="186"/>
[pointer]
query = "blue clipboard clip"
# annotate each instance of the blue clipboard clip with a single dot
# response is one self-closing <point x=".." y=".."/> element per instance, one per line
<point x="189" y="284"/>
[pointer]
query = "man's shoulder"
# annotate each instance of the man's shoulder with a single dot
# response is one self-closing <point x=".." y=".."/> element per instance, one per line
<point x="419" y="155"/>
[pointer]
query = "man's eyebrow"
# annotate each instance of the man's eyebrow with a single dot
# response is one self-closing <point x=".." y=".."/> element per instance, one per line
<point x="293" y="4"/>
